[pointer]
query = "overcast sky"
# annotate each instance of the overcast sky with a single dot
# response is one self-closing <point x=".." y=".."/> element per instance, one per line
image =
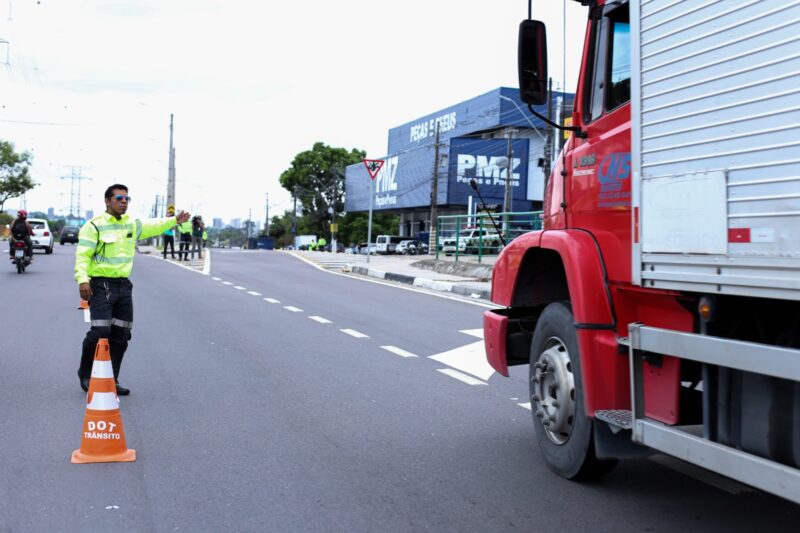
<point x="91" y="84"/>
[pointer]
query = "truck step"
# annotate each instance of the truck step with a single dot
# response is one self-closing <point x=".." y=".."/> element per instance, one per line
<point x="616" y="418"/>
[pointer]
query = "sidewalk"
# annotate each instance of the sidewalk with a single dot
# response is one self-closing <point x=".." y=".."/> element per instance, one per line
<point x="466" y="277"/>
<point x="194" y="264"/>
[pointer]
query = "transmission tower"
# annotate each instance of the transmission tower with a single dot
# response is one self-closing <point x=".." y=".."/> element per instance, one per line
<point x="75" y="177"/>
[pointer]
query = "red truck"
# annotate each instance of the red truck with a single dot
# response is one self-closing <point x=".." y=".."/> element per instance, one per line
<point x="659" y="308"/>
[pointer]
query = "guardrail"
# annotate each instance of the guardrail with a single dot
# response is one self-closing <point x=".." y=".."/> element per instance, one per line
<point x="460" y="235"/>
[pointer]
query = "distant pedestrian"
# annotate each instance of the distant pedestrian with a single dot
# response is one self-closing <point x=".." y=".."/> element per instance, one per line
<point x="103" y="262"/>
<point x="197" y="236"/>
<point x="169" y="236"/>
<point x="185" y="230"/>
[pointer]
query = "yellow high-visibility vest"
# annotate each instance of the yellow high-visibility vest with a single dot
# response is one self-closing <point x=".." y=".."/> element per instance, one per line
<point x="106" y="244"/>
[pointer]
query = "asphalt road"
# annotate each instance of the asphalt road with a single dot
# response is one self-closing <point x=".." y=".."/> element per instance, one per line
<point x="252" y="410"/>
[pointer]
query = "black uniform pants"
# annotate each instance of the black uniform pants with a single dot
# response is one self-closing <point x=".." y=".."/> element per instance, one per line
<point x="186" y="240"/>
<point x="111" y="310"/>
<point x="169" y="240"/>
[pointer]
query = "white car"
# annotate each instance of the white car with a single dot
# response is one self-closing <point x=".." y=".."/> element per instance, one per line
<point x="42" y="236"/>
<point x="470" y="240"/>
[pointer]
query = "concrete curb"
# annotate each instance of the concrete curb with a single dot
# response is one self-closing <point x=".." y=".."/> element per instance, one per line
<point x="425" y="283"/>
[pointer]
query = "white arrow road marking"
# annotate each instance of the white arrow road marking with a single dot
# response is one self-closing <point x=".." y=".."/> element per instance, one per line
<point x="525" y="405"/>
<point x="227" y="283"/>
<point x="473" y="332"/>
<point x="397" y="351"/>
<point x="86" y="316"/>
<point x="293" y="309"/>
<point x="354" y="333"/>
<point x="320" y="319"/>
<point x="272" y="300"/>
<point x="460" y="377"/>
<point x="239" y="288"/>
<point x="470" y="359"/>
<point x="254" y="293"/>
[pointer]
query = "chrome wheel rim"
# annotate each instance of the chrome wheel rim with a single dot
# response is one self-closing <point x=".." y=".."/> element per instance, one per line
<point x="553" y="386"/>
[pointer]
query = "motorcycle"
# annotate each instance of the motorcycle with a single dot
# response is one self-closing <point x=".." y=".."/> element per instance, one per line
<point x="20" y="256"/>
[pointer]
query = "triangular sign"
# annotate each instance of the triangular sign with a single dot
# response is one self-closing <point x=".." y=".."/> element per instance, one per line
<point x="373" y="167"/>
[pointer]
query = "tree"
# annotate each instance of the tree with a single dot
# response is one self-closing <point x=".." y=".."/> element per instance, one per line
<point x="14" y="177"/>
<point x="316" y="179"/>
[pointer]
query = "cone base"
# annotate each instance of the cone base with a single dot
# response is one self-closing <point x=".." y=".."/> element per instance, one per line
<point x="124" y="457"/>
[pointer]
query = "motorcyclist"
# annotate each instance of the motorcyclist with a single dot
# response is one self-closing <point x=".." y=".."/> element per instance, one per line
<point x="21" y="230"/>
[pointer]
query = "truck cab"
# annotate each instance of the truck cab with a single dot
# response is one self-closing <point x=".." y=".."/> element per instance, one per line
<point x="657" y="307"/>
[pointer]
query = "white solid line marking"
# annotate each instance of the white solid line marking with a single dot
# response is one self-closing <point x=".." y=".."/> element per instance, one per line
<point x="397" y="351"/>
<point x="293" y="309"/>
<point x="354" y="333"/>
<point x="86" y="316"/>
<point x="469" y="380"/>
<point x="254" y="293"/>
<point x="239" y="288"/>
<point x="272" y="300"/>
<point x="320" y="319"/>
<point x="217" y="279"/>
<point x="525" y="405"/>
<point x="446" y="296"/>
<point x="227" y="283"/>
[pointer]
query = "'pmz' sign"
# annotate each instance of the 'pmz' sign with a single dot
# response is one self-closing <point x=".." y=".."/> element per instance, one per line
<point x="487" y="170"/>
<point x="485" y="161"/>
<point x="385" y="183"/>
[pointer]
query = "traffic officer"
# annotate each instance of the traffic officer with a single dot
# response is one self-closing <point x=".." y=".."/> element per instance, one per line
<point x="185" y="229"/>
<point x="103" y="262"/>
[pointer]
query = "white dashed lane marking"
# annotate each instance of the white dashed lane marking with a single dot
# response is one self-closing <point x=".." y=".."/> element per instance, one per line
<point x="320" y="319"/>
<point x="227" y="283"/>
<point x="239" y="288"/>
<point x="217" y="279"/>
<point x="398" y="351"/>
<point x="272" y="300"/>
<point x="354" y="333"/>
<point x="525" y="405"/>
<point x="293" y="309"/>
<point x="254" y="293"/>
<point x="469" y="380"/>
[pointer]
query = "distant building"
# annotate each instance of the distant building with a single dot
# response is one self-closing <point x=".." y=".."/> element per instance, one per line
<point x="236" y="223"/>
<point x="89" y="214"/>
<point x="51" y="213"/>
<point x="217" y="223"/>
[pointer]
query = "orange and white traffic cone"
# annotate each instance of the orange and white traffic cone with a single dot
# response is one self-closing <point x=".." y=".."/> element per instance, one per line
<point x="103" y="438"/>
<point x="84" y="304"/>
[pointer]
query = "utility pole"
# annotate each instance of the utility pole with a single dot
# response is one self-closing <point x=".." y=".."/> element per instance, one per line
<point x="434" y="194"/>
<point x="334" y="227"/>
<point x="551" y="133"/>
<point x="171" y="168"/>
<point x="266" y="216"/>
<point x="294" y="215"/>
<point x="507" y="199"/>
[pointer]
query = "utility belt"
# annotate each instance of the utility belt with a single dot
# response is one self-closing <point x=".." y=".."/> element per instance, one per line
<point x="108" y="280"/>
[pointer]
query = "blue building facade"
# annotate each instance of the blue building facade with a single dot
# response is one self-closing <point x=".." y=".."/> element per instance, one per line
<point x="473" y="143"/>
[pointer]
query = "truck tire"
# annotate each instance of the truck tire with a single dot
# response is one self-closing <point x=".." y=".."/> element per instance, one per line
<point x="563" y="431"/>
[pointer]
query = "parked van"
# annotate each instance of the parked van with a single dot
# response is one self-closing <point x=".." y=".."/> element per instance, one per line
<point x="387" y="244"/>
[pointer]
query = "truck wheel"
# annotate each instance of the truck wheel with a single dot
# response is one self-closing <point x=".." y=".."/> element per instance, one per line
<point x="563" y="431"/>
<point x="48" y="250"/>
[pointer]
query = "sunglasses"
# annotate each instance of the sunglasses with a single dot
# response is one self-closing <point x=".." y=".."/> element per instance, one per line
<point x="121" y="197"/>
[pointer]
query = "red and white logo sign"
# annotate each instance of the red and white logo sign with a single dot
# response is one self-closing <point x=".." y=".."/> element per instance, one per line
<point x="373" y="167"/>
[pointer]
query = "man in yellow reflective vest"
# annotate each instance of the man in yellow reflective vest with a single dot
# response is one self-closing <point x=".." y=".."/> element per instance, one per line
<point x="103" y="262"/>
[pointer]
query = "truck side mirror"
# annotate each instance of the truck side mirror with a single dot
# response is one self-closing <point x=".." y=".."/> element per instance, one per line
<point x="532" y="62"/>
